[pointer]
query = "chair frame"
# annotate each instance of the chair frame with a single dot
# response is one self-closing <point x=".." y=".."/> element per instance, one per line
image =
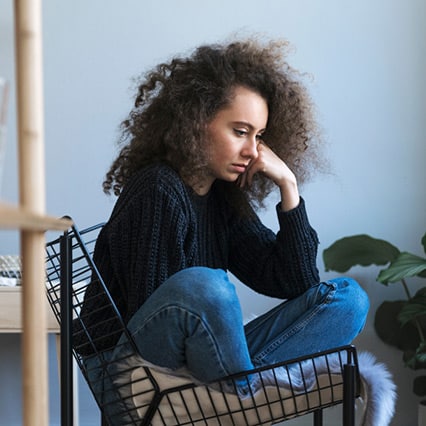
<point x="60" y="264"/>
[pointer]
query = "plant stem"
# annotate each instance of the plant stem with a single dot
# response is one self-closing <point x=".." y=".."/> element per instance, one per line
<point x="419" y="329"/>
<point x="407" y="292"/>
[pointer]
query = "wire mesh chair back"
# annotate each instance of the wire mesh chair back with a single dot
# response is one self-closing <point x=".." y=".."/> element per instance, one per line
<point x="70" y="262"/>
<point x="129" y="391"/>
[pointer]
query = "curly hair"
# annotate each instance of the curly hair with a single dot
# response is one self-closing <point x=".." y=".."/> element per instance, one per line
<point x="176" y="101"/>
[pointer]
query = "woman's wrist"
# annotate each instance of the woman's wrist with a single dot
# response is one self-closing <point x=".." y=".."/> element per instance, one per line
<point x="290" y="197"/>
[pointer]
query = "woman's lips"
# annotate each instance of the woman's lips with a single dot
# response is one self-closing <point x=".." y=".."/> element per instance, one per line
<point x="239" y="168"/>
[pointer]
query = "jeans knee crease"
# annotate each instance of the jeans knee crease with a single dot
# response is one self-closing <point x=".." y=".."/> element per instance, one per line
<point x="298" y="327"/>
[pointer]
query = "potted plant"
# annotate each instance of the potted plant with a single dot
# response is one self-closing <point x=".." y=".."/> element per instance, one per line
<point x="400" y="323"/>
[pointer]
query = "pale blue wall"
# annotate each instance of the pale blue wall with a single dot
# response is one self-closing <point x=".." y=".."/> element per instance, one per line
<point x="368" y="60"/>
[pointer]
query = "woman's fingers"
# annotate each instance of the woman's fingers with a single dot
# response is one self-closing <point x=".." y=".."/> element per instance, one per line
<point x="268" y="163"/>
<point x="264" y="163"/>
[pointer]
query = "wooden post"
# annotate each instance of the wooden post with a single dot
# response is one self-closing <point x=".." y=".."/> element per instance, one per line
<point x="29" y="82"/>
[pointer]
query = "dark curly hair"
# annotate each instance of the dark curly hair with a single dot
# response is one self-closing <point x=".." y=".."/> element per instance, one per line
<point x="176" y="101"/>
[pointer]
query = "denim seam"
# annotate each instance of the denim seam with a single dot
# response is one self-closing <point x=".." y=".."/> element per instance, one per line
<point x="257" y="360"/>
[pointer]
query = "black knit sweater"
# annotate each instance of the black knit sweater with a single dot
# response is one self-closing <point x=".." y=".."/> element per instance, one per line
<point x="160" y="226"/>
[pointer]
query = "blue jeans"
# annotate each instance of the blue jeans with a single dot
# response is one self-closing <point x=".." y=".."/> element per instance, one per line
<point x="194" y="320"/>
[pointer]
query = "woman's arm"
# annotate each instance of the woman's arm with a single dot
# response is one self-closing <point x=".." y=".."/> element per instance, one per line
<point x="280" y="265"/>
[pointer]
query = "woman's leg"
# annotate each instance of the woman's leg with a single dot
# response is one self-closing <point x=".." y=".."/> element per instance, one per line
<point x="328" y="315"/>
<point x="193" y="320"/>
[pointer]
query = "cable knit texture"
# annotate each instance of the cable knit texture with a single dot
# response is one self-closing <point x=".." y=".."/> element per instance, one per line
<point x="160" y="226"/>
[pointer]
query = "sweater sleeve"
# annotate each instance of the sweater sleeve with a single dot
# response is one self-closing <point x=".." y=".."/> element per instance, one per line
<point x="279" y="265"/>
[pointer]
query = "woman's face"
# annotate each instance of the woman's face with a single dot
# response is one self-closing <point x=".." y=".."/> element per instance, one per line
<point x="233" y="135"/>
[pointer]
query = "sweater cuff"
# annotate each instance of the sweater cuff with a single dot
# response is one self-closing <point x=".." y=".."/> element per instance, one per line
<point x="296" y="217"/>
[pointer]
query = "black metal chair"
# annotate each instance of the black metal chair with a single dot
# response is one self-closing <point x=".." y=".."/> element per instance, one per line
<point x="128" y="391"/>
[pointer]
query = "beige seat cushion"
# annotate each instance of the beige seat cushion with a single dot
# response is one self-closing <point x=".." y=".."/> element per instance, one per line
<point x="280" y="393"/>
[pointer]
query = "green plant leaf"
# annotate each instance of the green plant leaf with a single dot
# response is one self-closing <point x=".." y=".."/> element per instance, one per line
<point x="390" y="331"/>
<point x="416" y="360"/>
<point x="358" y="250"/>
<point x="405" y="265"/>
<point x="414" y="308"/>
<point x="424" y="242"/>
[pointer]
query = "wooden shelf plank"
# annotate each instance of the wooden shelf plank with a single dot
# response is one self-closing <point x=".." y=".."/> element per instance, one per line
<point x="12" y="217"/>
<point x="10" y="312"/>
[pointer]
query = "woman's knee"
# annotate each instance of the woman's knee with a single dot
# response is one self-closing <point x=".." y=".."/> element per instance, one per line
<point x="356" y="294"/>
<point x="201" y="285"/>
<point x="353" y="299"/>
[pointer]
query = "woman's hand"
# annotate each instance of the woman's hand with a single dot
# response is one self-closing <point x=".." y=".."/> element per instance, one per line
<point x="268" y="163"/>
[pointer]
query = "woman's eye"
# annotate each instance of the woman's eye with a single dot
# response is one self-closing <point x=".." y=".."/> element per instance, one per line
<point x="239" y="132"/>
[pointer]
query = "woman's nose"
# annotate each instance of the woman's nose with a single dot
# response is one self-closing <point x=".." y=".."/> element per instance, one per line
<point x="250" y="148"/>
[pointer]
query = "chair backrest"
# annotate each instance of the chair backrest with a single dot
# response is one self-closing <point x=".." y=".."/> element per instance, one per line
<point x="70" y="271"/>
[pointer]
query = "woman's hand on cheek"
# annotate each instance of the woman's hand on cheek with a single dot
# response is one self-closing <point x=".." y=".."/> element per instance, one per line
<point x="268" y="163"/>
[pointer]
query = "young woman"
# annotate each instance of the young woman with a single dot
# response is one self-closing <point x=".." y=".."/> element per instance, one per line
<point x="209" y="137"/>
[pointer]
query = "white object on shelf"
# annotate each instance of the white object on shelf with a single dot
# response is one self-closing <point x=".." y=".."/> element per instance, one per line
<point x="10" y="270"/>
<point x="9" y="282"/>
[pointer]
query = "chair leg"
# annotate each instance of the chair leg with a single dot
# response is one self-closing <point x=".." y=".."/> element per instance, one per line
<point x="349" y="394"/>
<point x="66" y="382"/>
<point x="318" y="418"/>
